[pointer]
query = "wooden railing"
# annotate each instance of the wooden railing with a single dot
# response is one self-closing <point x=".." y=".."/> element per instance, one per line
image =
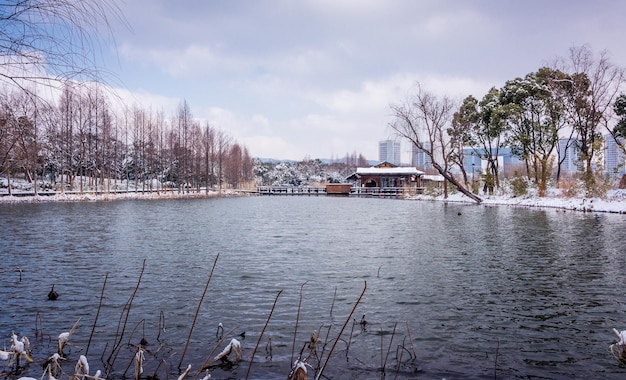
<point x="356" y="191"/>
<point x="290" y="190"/>
<point x="386" y="191"/>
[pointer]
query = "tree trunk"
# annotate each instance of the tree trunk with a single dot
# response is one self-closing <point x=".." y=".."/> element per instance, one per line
<point x="457" y="184"/>
<point x="9" y="182"/>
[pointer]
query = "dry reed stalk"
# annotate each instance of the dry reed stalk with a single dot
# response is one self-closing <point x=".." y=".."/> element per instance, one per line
<point x="154" y="375"/>
<point x="95" y="321"/>
<point x="393" y="333"/>
<point x="38" y="326"/>
<point x="400" y="350"/>
<point x="411" y="339"/>
<point x="161" y="325"/>
<point x="333" y="304"/>
<point x="267" y="321"/>
<point x="381" y="352"/>
<point x="195" y="317"/>
<point x="350" y="338"/>
<point x="131" y="363"/>
<point x="399" y="358"/>
<point x="495" y="364"/>
<point x="319" y="374"/>
<point x="325" y="343"/>
<point x="268" y="347"/>
<point x="120" y="335"/>
<point x="132" y="333"/>
<point x="295" y="333"/>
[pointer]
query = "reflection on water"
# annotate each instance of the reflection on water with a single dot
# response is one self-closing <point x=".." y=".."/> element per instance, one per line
<point x="472" y="291"/>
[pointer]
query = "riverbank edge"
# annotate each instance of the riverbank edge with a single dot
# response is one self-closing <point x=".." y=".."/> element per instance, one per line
<point x="615" y="204"/>
<point x="112" y="196"/>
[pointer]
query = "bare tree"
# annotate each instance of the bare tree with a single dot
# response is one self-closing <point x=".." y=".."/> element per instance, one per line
<point x="593" y="86"/>
<point x="234" y="165"/>
<point x="223" y="146"/>
<point x="8" y="138"/>
<point x="208" y="149"/>
<point x="247" y="166"/>
<point x="423" y="120"/>
<point x="44" y="42"/>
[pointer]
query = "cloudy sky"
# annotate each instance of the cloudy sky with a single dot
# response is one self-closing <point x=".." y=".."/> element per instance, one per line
<point x="314" y="78"/>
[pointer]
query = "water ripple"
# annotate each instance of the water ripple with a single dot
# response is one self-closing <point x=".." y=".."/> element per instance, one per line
<point x="538" y="288"/>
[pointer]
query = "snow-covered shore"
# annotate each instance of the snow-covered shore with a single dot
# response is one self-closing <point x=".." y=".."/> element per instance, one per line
<point x="105" y="197"/>
<point x="614" y="202"/>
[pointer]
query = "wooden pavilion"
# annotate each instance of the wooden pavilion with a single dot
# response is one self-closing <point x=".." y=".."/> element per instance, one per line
<point x="386" y="175"/>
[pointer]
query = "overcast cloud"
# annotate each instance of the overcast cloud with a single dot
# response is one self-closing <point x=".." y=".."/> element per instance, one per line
<point x="291" y="79"/>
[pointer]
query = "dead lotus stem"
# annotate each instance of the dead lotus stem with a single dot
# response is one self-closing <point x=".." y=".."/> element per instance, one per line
<point x="132" y="333"/>
<point x="495" y="361"/>
<point x="132" y="361"/>
<point x="325" y="340"/>
<point x="38" y="326"/>
<point x="268" y="348"/>
<point x="319" y="374"/>
<point x="126" y="309"/>
<point x="333" y="304"/>
<point x="161" y="325"/>
<point x="393" y="333"/>
<point x="295" y="333"/>
<point x="195" y="317"/>
<point x="95" y="321"/>
<point x="350" y="338"/>
<point x="154" y="375"/>
<point x="400" y="350"/>
<point x="262" y="332"/>
<point x="408" y="330"/>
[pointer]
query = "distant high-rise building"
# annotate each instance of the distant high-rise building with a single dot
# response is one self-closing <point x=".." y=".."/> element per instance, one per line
<point x="568" y="154"/>
<point x="389" y="150"/>
<point x="613" y="157"/>
<point x="419" y="159"/>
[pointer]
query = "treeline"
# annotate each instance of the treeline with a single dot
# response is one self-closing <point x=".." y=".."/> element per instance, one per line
<point x="578" y="99"/>
<point x="81" y="142"/>
<point x="308" y="172"/>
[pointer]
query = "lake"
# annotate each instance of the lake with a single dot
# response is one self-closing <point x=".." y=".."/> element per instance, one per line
<point x="452" y="291"/>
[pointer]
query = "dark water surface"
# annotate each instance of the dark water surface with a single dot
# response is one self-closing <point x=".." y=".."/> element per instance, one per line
<point x="510" y="292"/>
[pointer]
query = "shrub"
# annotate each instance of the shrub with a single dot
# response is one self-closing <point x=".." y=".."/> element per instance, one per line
<point x="519" y="185"/>
<point x="571" y="187"/>
<point x="432" y="190"/>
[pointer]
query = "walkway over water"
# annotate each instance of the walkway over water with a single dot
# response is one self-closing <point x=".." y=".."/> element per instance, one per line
<point x="355" y="191"/>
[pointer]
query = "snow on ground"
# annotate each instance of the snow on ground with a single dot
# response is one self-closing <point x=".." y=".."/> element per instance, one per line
<point x="120" y="190"/>
<point x="91" y="197"/>
<point x="615" y="201"/>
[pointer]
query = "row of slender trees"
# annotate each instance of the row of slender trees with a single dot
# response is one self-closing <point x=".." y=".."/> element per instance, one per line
<point x="577" y="99"/>
<point x="82" y="142"/>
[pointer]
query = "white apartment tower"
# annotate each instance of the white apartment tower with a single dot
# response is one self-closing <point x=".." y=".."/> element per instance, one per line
<point x="419" y="159"/>
<point x="568" y="153"/>
<point x="613" y="157"/>
<point x="389" y="150"/>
